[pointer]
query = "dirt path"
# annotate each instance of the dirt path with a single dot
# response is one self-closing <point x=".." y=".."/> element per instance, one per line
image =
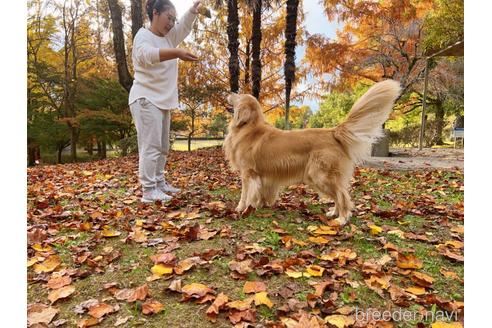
<point x="413" y="159"/>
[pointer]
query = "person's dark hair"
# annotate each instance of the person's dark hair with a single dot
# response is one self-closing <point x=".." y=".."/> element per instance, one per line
<point x="159" y="5"/>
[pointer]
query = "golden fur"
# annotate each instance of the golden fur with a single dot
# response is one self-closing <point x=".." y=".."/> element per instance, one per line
<point x="268" y="158"/>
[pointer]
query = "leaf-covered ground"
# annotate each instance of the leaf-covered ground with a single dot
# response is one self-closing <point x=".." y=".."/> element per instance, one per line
<point x="97" y="256"/>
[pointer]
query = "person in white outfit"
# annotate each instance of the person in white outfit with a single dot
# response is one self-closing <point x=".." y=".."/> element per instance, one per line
<point x="155" y="91"/>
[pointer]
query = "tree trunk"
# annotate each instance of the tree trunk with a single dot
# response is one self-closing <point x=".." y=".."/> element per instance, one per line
<point x="119" y="45"/>
<point x="256" y="45"/>
<point x="192" y="129"/>
<point x="73" y="144"/>
<point x="233" y="44"/>
<point x="89" y="148"/>
<point x="290" y="54"/>
<point x="104" y="150"/>
<point x="137" y="16"/>
<point x="247" y="65"/>
<point x="99" y="149"/>
<point x="439" y="123"/>
<point x="59" y="155"/>
<point x="31" y="155"/>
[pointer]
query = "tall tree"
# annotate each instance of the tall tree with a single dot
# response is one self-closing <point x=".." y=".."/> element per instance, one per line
<point x="233" y="43"/>
<point x="290" y="53"/>
<point x="124" y="76"/>
<point x="256" y="35"/>
<point x="137" y="16"/>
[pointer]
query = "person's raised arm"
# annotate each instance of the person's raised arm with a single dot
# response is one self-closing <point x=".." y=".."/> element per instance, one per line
<point x="181" y="30"/>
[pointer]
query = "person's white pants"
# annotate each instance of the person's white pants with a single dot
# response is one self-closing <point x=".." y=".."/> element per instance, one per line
<point x="152" y="126"/>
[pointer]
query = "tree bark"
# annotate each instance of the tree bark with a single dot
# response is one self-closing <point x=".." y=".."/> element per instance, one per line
<point x="439" y="123"/>
<point x="256" y="47"/>
<point x="137" y="16"/>
<point x="59" y="155"/>
<point x="247" y="64"/>
<point x="233" y="44"/>
<point x="290" y="54"/>
<point x="119" y="45"/>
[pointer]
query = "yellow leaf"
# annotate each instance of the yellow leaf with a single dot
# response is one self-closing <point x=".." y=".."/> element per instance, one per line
<point x="340" y="321"/>
<point x="455" y="244"/>
<point x="318" y="240"/>
<point x="315" y="270"/>
<point x="409" y="261"/>
<point x="262" y="298"/>
<point x="375" y="229"/>
<point x="109" y="232"/>
<point x="32" y="261"/>
<point x="50" y="264"/>
<point x="160" y="269"/>
<point x="416" y="290"/>
<point x="441" y="324"/>
<point x="293" y="274"/>
<point x="324" y="230"/>
<point x="39" y="248"/>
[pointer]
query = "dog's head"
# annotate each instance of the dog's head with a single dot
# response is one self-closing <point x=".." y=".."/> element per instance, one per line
<point x="247" y="109"/>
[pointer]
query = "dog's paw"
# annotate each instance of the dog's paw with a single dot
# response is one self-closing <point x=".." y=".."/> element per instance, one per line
<point x="332" y="213"/>
<point x="342" y="221"/>
<point x="247" y="211"/>
<point x="240" y="208"/>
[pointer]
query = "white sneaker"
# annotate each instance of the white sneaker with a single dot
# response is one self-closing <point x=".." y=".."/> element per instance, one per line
<point x="155" y="195"/>
<point x="166" y="187"/>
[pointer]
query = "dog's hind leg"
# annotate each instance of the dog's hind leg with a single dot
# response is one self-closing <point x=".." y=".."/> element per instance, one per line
<point x="343" y="205"/>
<point x="269" y="193"/>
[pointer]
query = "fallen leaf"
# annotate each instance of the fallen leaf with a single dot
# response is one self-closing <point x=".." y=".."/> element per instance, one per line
<point x="441" y="324"/>
<point x="40" y="314"/>
<point x="340" y="321"/>
<point x="100" y="310"/>
<point x="241" y="305"/>
<point x="314" y="271"/>
<point x="196" y="290"/>
<point x="408" y="261"/>
<point x="262" y="298"/>
<point x="50" y="264"/>
<point x="422" y="279"/>
<point x="59" y="282"/>
<point x="254" y="287"/>
<point x="151" y="307"/>
<point x="375" y="229"/>
<point x="218" y="304"/>
<point x="416" y="290"/>
<point x="160" y="270"/>
<point x="122" y="320"/>
<point x="242" y="267"/>
<point x="63" y="292"/>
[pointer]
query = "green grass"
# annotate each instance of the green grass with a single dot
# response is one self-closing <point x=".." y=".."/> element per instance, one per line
<point x="182" y="145"/>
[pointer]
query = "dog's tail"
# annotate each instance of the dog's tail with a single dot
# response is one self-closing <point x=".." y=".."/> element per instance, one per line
<point x="363" y="125"/>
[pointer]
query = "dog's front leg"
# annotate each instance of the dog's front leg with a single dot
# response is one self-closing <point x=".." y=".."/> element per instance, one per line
<point x="244" y="193"/>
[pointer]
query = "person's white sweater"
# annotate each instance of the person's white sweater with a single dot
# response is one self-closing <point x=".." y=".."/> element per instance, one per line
<point x="154" y="80"/>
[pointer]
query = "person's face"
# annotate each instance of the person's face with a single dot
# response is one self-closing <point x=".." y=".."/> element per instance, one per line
<point x="164" y="21"/>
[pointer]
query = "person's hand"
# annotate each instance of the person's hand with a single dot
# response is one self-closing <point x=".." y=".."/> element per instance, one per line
<point x="194" y="8"/>
<point x="186" y="55"/>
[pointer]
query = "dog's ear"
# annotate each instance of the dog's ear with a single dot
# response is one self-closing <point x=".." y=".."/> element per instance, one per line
<point x="241" y="116"/>
<point x="233" y="99"/>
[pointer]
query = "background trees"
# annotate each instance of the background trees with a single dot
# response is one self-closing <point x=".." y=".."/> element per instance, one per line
<point x="79" y="68"/>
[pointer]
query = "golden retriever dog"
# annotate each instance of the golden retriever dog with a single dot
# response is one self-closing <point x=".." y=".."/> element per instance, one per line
<point x="268" y="158"/>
